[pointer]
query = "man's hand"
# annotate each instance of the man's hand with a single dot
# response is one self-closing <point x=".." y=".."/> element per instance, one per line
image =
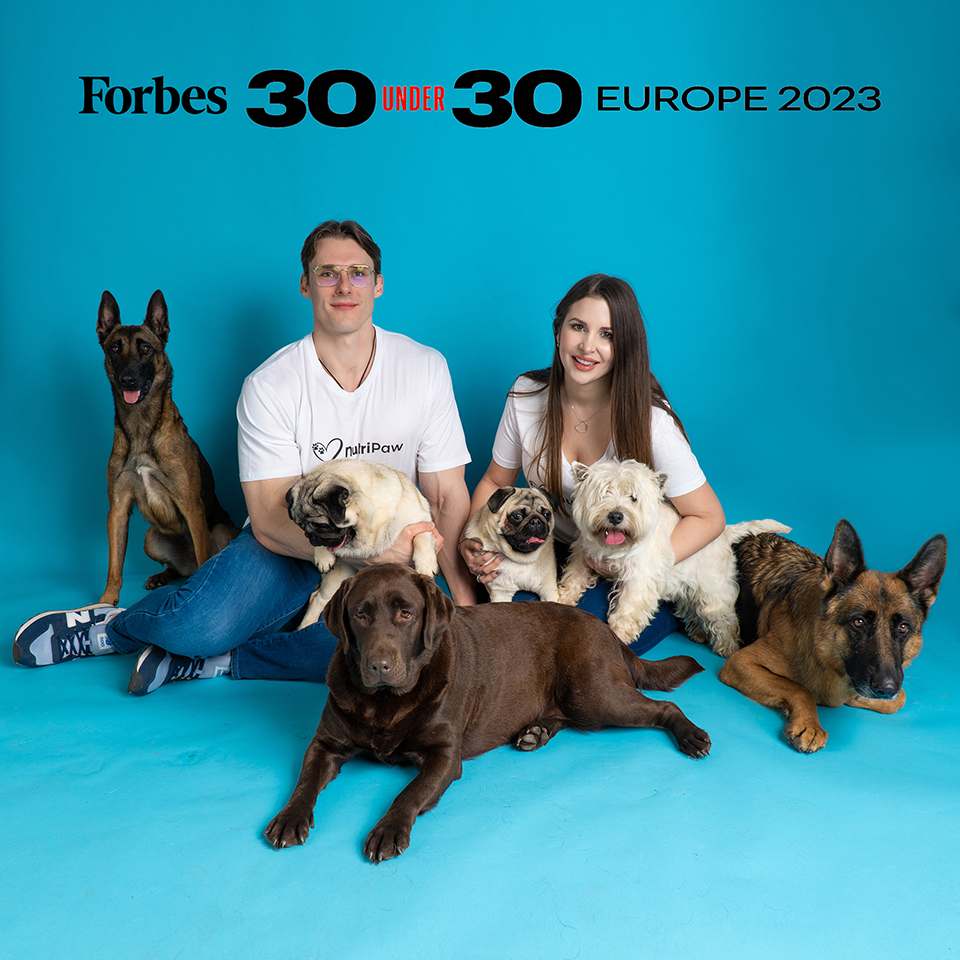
<point x="401" y="550"/>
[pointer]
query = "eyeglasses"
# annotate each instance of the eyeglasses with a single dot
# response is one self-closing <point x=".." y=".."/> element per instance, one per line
<point x="328" y="274"/>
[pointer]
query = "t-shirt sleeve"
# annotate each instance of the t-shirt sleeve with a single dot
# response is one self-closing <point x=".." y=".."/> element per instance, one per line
<point x="672" y="455"/>
<point x="508" y="445"/>
<point x="442" y="444"/>
<point x="266" y="446"/>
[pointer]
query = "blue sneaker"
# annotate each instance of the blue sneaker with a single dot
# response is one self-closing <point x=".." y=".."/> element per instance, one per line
<point x="61" y="635"/>
<point x="155" y="667"/>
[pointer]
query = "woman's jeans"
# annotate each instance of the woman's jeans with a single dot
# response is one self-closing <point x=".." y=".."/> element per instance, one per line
<point x="246" y="600"/>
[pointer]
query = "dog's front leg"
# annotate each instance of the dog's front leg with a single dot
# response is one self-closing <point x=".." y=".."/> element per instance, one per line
<point x="196" y="518"/>
<point x="634" y="608"/>
<point x="321" y="596"/>
<point x="118" y="525"/>
<point x="577" y="577"/>
<point x="391" y="836"/>
<point x="321" y="763"/>
<point x="425" y="554"/>
<point x="748" y="672"/>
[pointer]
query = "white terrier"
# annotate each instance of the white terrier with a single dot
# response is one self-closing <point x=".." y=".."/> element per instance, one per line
<point x="625" y="525"/>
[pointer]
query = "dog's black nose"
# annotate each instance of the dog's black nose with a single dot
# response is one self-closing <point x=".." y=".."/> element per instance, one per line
<point x="885" y="688"/>
<point x="615" y="517"/>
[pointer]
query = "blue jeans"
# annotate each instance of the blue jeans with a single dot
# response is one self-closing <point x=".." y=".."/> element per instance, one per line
<point x="597" y="601"/>
<point x="245" y="601"/>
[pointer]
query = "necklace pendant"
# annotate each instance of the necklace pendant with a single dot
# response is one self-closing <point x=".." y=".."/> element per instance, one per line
<point x="581" y="426"/>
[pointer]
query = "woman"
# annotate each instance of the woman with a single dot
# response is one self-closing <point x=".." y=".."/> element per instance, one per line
<point x="597" y="401"/>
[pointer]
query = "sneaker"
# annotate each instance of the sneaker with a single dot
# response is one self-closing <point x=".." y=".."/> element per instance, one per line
<point x="155" y="667"/>
<point x="61" y="635"/>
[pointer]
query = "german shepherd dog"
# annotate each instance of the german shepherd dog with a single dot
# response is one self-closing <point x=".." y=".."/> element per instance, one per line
<point x="154" y="462"/>
<point x="827" y="630"/>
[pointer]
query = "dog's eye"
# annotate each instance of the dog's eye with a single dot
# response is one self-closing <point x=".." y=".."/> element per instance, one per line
<point x="361" y="616"/>
<point x="858" y="622"/>
<point x="903" y="629"/>
<point x="406" y="615"/>
<point x="516" y="517"/>
<point x="116" y="346"/>
<point x="545" y="514"/>
<point x="633" y="499"/>
<point x="145" y="349"/>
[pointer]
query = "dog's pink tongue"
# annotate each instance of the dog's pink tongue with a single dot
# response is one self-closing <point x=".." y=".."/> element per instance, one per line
<point x="131" y="396"/>
<point x="615" y="538"/>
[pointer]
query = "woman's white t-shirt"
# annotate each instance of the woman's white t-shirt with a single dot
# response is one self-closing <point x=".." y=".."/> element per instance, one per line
<point x="518" y="439"/>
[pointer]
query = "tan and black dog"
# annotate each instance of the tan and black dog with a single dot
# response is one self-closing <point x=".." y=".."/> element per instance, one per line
<point x="827" y="630"/>
<point x="154" y="462"/>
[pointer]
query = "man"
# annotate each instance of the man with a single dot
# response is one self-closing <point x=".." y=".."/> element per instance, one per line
<point x="347" y="389"/>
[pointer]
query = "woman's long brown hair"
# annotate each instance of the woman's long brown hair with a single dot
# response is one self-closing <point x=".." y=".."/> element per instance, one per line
<point x="634" y="390"/>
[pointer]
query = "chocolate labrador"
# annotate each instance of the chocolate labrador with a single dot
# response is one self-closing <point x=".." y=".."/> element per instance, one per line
<point x="415" y="679"/>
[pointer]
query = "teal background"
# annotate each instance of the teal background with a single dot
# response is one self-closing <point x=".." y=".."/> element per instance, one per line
<point x="798" y="273"/>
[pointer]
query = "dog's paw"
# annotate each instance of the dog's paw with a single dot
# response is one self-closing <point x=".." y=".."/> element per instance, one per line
<point x="568" y="597"/>
<point x="693" y="741"/>
<point x="160" y="579"/>
<point x="386" y="840"/>
<point x="533" y="738"/>
<point x="288" y="829"/>
<point x="806" y="738"/>
<point x="626" y="628"/>
<point x="323" y="559"/>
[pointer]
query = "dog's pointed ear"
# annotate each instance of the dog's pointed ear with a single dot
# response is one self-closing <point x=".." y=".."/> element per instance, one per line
<point x="498" y="497"/>
<point x="579" y="471"/>
<point x="661" y="478"/>
<point x="844" y="559"/>
<point x="108" y="316"/>
<point x="335" y="615"/>
<point x="156" y="318"/>
<point x="922" y="574"/>
<point x="438" y="611"/>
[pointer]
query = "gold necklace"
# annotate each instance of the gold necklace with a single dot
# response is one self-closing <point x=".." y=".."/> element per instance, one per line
<point x="581" y="425"/>
<point x="366" y="369"/>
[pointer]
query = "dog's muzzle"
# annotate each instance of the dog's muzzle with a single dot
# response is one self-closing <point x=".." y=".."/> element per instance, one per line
<point x="530" y="536"/>
<point x="333" y="538"/>
<point x="613" y="536"/>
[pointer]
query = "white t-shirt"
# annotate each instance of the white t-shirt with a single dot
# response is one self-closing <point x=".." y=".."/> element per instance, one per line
<point x="292" y="415"/>
<point x="518" y="438"/>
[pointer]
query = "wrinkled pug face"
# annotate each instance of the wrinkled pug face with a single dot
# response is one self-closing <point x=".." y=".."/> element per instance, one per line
<point x="524" y="517"/>
<point x="326" y="511"/>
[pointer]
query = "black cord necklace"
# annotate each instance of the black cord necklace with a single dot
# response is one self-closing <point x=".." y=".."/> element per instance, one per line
<point x="366" y="369"/>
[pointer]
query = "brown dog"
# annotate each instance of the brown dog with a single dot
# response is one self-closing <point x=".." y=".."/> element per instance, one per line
<point x="827" y="630"/>
<point x="415" y="679"/>
<point x="154" y="462"/>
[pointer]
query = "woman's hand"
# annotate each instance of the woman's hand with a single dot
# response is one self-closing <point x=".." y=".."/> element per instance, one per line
<point x="600" y="568"/>
<point x="481" y="563"/>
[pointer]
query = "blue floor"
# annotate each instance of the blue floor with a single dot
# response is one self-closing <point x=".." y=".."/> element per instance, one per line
<point x="133" y="828"/>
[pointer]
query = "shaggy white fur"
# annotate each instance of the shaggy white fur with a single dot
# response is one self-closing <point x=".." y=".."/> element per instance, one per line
<point x="625" y="523"/>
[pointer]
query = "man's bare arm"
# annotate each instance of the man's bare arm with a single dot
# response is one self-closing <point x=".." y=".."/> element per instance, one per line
<point x="271" y="523"/>
<point x="446" y="492"/>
